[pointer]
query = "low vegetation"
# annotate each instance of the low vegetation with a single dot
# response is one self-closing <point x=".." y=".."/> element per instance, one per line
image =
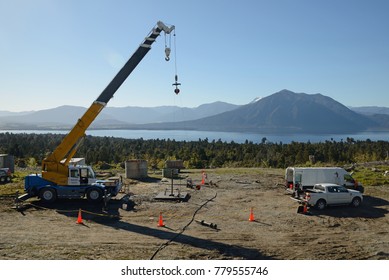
<point x="30" y="149"/>
<point x="373" y="175"/>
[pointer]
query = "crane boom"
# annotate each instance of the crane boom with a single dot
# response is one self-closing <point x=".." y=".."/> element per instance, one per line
<point x="54" y="169"/>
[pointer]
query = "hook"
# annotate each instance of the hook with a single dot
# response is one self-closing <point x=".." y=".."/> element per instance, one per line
<point x="167" y="53"/>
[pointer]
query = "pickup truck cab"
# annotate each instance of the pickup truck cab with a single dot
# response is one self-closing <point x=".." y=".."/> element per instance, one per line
<point x="326" y="194"/>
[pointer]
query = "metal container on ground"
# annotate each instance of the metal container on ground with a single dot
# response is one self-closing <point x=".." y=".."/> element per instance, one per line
<point x="136" y="168"/>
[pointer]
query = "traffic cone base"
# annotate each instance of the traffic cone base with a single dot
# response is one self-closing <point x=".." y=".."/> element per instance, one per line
<point x="160" y="221"/>
<point x="251" y="218"/>
<point x="303" y="209"/>
<point x="79" y="218"/>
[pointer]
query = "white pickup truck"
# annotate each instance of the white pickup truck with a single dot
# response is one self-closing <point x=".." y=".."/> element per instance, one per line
<point x="330" y="194"/>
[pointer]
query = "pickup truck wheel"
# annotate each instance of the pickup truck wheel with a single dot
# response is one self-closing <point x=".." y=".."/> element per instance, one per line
<point x="356" y="202"/>
<point x="48" y="195"/>
<point x="321" y="204"/>
<point x="94" y="195"/>
<point x="2" y="180"/>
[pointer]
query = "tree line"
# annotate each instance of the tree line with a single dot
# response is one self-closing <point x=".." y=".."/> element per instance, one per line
<point x="32" y="148"/>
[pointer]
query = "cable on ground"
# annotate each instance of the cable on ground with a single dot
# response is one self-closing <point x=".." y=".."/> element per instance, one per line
<point x="183" y="229"/>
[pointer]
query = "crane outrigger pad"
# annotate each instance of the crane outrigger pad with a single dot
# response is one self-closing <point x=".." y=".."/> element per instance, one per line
<point x="174" y="195"/>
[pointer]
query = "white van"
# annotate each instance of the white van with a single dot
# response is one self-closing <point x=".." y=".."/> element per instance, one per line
<point x="302" y="178"/>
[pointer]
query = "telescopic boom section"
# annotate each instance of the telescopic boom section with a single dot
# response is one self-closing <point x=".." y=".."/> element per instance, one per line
<point x="52" y="168"/>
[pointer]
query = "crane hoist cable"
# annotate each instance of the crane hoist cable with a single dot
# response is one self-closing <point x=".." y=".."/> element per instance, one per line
<point x="168" y="43"/>
<point x="168" y="49"/>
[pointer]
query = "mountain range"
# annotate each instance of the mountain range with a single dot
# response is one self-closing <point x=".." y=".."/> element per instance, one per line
<point x="64" y="117"/>
<point x="282" y="112"/>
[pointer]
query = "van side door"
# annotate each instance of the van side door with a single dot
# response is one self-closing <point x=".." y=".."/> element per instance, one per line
<point x="297" y="180"/>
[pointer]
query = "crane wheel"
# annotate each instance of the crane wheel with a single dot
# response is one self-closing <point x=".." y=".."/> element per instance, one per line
<point x="94" y="195"/>
<point x="48" y="195"/>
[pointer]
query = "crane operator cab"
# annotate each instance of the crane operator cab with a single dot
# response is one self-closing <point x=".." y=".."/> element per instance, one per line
<point x="81" y="175"/>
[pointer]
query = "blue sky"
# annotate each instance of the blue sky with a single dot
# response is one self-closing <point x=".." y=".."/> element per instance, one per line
<point x="56" y="52"/>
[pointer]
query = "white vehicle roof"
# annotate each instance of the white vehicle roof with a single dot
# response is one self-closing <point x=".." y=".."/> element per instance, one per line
<point x="312" y="168"/>
<point x="328" y="185"/>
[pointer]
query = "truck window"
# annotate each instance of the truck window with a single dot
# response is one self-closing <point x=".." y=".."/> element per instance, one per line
<point x="84" y="172"/>
<point x="91" y="173"/>
<point x="320" y="188"/>
<point x="298" y="178"/>
<point x="342" y="189"/>
<point x="331" y="189"/>
<point x="74" y="173"/>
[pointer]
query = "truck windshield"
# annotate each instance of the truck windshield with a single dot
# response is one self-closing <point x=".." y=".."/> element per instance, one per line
<point x="348" y="178"/>
<point x="91" y="173"/>
<point x="87" y="172"/>
<point x="319" y="188"/>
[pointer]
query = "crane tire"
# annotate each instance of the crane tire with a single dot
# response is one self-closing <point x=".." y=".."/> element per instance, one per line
<point x="48" y="195"/>
<point x="94" y="195"/>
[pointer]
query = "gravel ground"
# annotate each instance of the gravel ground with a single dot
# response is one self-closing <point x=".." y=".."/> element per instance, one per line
<point x="129" y="229"/>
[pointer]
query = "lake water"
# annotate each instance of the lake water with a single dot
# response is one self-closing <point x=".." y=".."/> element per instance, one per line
<point x="185" y="135"/>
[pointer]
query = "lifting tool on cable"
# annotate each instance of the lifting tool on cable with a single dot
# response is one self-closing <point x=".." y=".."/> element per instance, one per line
<point x="167" y="58"/>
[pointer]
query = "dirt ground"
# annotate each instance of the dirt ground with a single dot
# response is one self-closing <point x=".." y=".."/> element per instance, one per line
<point x="128" y="228"/>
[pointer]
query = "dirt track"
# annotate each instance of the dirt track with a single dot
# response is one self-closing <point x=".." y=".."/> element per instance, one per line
<point x="278" y="232"/>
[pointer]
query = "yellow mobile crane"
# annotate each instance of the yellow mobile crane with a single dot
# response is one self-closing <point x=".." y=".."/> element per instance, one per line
<point x="61" y="180"/>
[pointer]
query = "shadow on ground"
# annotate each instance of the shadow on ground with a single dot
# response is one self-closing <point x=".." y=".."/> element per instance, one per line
<point x="109" y="215"/>
<point x="370" y="208"/>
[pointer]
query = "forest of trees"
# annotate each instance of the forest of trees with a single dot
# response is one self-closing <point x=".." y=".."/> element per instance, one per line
<point x="32" y="148"/>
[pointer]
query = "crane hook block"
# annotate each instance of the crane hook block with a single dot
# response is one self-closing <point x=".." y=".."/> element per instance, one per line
<point x="167" y="53"/>
<point x="176" y="90"/>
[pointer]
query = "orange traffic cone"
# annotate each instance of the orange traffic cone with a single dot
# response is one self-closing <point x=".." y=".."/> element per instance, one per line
<point x="251" y="218"/>
<point x="79" y="218"/>
<point x="305" y="208"/>
<point x="160" y="221"/>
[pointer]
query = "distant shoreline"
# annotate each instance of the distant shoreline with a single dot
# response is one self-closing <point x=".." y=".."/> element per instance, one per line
<point x="195" y="135"/>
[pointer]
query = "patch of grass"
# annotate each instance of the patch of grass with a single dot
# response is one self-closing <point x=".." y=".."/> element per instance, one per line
<point x="19" y="176"/>
<point x="11" y="189"/>
<point x="245" y="171"/>
<point x="17" y="184"/>
<point x="371" y="176"/>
